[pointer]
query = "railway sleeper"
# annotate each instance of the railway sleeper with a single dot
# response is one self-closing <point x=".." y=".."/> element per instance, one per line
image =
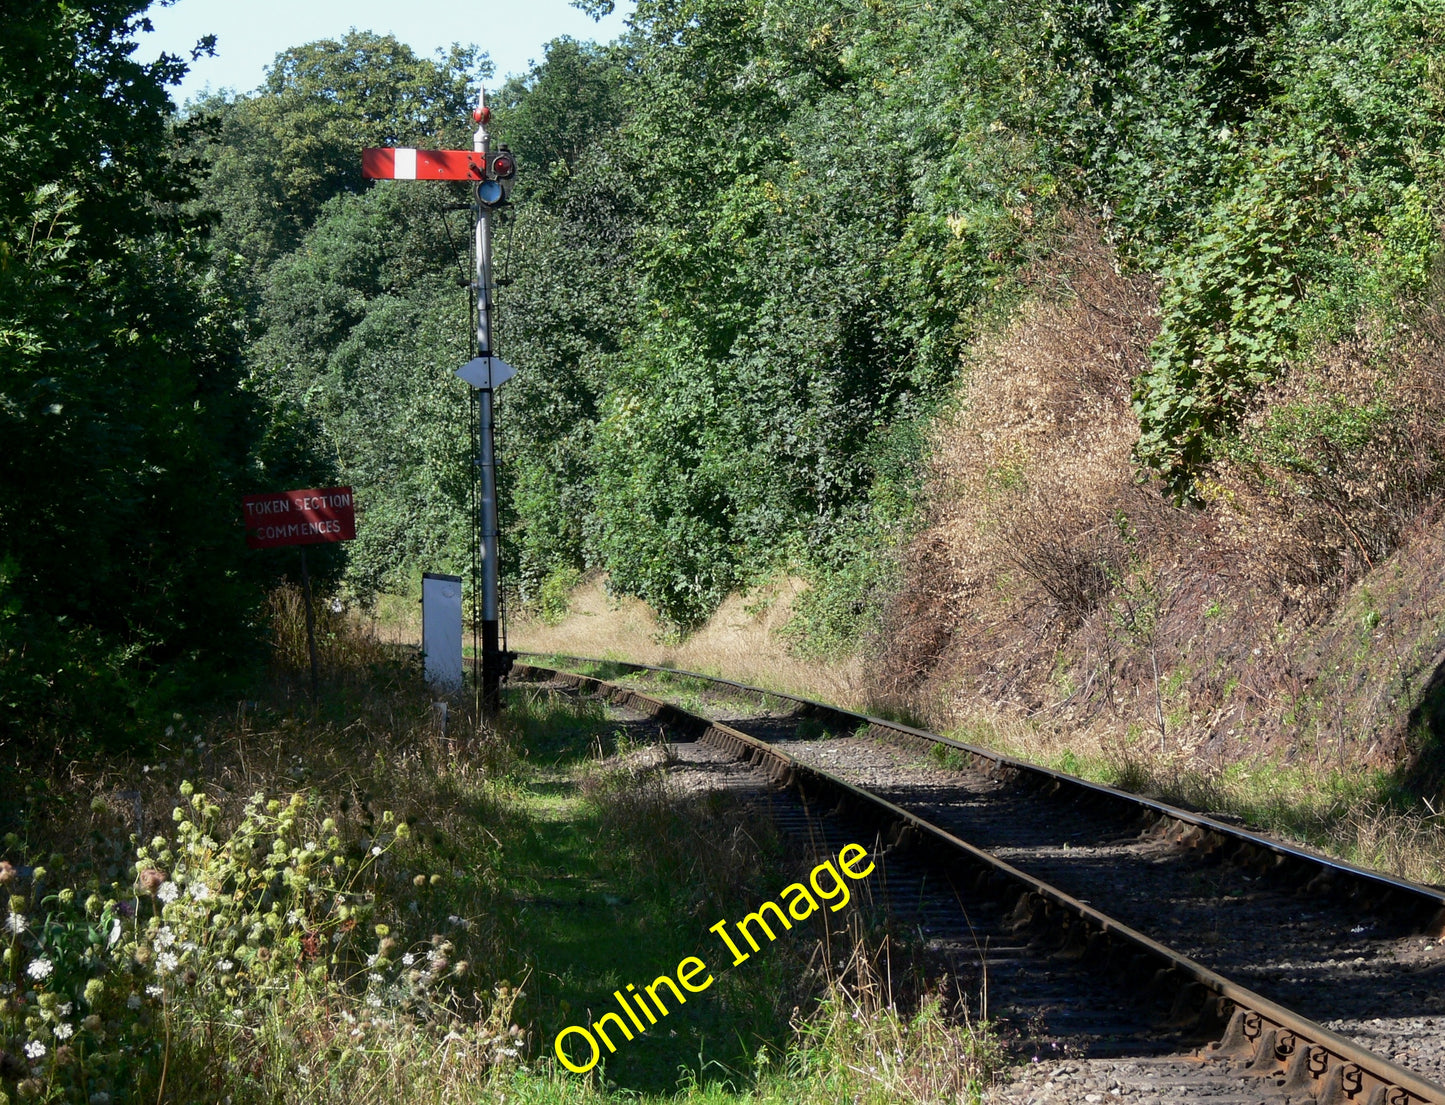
<point x="1052" y="931"/>
<point x="1162" y="986"/>
<point x="1122" y="958"/>
<point x="1075" y="945"/>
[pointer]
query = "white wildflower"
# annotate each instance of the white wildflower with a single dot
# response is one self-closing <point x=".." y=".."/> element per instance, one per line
<point x="16" y="923"/>
<point x="376" y="849"/>
<point x="35" y="1049"/>
<point x="225" y="966"/>
<point x="408" y="959"/>
<point x="64" y="1031"/>
<point x="166" y="962"/>
<point x="168" y="892"/>
<point x="373" y="1000"/>
<point x="165" y="937"/>
<point x="199" y="891"/>
<point x="376" y="978"/>
<point x="294" y="917"/>
<point x="40" y="968"/>
<point x="66" y="1008"/>
<point x="114" y="938"/>
<point x="153" y="990"/>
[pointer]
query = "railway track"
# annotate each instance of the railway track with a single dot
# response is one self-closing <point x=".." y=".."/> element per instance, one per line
<point x="1127" y="926"/>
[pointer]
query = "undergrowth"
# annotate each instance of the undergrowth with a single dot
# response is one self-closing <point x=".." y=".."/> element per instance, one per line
<point x="372" y="899"/>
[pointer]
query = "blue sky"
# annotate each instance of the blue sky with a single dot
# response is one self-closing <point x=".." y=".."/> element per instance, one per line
<point x="250" y="33"/>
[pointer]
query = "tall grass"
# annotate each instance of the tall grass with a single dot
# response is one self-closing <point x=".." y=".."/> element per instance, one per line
<point x="350" y="901"/>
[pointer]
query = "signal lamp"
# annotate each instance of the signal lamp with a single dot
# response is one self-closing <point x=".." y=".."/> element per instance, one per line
<point x="503" y="164"/>
<point x="489" y="192"/>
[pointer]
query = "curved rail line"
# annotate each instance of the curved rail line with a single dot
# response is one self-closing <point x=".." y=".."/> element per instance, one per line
<point x="1312" y="1059"/>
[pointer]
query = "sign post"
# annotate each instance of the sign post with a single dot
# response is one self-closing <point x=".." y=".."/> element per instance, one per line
<point x="490" y="174"/>
<point x="307" y="517"/>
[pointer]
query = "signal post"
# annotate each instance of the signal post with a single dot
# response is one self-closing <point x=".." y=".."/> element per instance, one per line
<point x="491" y="176"/>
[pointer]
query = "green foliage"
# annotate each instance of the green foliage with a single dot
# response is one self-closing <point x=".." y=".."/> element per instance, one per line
<point x="1324" y="199"/>
<point x="750" y="242"/>
<point x="554" y="600"/>
<point x="553" y="116"/>
<point x="841" y="608"/>
<point x="1225" y="329"/>
<point x="212" y="937"/>
<point x="802" y="279"/>
<point x="1306" y="439"/>
<point x="1144" y="100"/>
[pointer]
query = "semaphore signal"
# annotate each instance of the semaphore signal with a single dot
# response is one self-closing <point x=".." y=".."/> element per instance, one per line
<point x="491" y="175"/>
<point x="404" y="163"/>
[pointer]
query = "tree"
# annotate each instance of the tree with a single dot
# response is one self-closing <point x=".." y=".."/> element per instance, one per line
<point x="128" y="434"/>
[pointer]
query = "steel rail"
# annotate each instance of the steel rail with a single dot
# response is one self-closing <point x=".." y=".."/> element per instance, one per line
<point x="1310" y="1058"/>
<point x="1425" y="904"/>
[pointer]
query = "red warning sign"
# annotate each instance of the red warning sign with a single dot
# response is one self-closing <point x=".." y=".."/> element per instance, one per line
<point x="299" y="517"/>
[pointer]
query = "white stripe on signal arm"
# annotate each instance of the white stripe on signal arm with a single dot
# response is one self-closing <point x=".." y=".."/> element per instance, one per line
<point x="405" y="164"/>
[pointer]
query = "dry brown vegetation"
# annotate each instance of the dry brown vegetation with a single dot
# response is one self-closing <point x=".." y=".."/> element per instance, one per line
<point x="1292" y="612"/>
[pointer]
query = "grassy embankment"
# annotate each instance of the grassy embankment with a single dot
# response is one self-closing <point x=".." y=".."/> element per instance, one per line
<point x="349" y="902"/>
